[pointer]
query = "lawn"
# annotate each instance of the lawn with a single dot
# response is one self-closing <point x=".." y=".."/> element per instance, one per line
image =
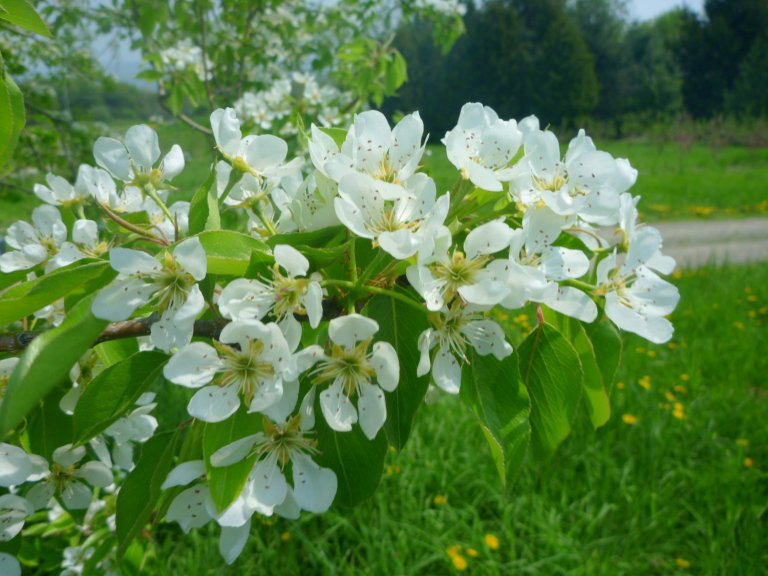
<point x="675" y="483"/>
<point x="675" y="182"/>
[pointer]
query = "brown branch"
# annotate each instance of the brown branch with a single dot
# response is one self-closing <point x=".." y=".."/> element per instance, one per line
<point x="17" y="343"/>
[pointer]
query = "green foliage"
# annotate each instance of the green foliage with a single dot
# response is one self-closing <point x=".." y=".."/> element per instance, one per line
<point x="141" y="489"/>
<point x="114" y="391"/>
<point x="400" y="326"/>
<point x="22" y="14"/>
<point x="229" y="253"/>
<point x="12" y="116"/>
<point x="226" y="482"/>
<point x="552" y="373"/>
<point x="29" y="297"/>
<point x="495" y="393"/>
<point x="47" y="361"/>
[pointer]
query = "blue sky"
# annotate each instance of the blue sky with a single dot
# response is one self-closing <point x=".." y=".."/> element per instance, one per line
<point x="647" y="9"/>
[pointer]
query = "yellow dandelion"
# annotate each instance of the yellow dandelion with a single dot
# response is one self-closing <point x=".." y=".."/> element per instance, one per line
<point x="629" y="419"/>
<point x="459" y="562"/>
<point x="678" y="413"/>
<point x="739" y="325"/>
<point x="681" y="389"/>
<point x="620" y="385"/>
<point x="645" y="382"/>
<point x="651" y="353"/>
<point x="682" y="563"/>
<point x="685" y="377"/>
<point x="677" y="274"/>
<point x="453" y="550"/>
<point x="285" y="536"/>
<point x="748" y="462"/>
<point x="472" y="553"/>
<point x="393" y="469"/>
<point x="672" y="345"/>
<point x="752" y="298"/>
<point x="492" y="541"/>
<point x="664" y="406"/>
<point x="743" y="442"/>
<point x="439" y="500"/>
<point x="669" y="396"/>
<point x="640" y="350"/>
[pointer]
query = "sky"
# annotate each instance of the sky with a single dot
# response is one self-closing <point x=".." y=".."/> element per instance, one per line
<point x="648" y="9"/>
<point x="126" y="63"/>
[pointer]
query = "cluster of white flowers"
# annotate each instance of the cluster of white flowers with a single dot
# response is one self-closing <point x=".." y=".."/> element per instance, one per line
<point x="523" y="225"/>
<point x="185" y="56"/>
<point x="276" y="106"/>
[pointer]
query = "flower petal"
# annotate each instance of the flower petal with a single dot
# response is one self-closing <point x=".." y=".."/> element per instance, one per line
<point x="214" y="403"/>
<point x="337" y="408"/>
<point x="351" y="329"/>
<point x="371" y="409"/>
<point x="384" y="361"/>
<point x="193" y="366"/>
<point x="111" y="155"/>
<point x="184" y="473"/>
<point x="233" y="540"/>
<point x="143" y="146"/>
<point x="314" y="487"/>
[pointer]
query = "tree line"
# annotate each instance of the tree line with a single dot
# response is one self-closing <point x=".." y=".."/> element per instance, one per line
<point x="573" y="61"/>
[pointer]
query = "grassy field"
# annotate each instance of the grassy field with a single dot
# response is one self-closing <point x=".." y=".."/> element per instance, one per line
<point x="675" y="483"/>
<point x="675" y="182"/>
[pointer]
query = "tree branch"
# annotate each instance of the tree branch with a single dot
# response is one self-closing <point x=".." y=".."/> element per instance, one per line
<point x="17" y="343"/>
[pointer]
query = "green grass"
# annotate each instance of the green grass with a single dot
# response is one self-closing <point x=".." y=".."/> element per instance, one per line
<point x="674" y="182"/>
<point x="625" y="499"/>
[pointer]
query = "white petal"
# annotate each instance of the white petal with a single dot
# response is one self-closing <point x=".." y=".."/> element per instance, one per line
<point x="425" y="344"/>
<point x="313" y="303"/>
<point x="9" y="566"/>
<point x="487" y="337"/>
<point x="307" y="410"/>
<point x="184" y="473"/>
<point x="233" y="540"/>
<point x="288" y="508"/>
<point x="127" y="261"/>
<point x="384" y="361"/>
<point x="85" y="232"/>
<point x="190" y="508"/>
<point x="483" y="177"/>
<point x="337" y="408"/>
<point x="226" y="130"/>
<point x="401" y="244"/>
<point x="76" y="496"/>
<point x="561" y="263"/>
<point x="446" y="371"/>
<point x="191" y="256"/>
<point x="314" y="487"/>
<point x="193" y="366"/>
<point x="40" y="494"/>
<point x="267" y="394"/>
<point x="246" y="299"/>
<point x="15" y="465"/>
<point x="303" y="361"/>
<point x="291" y="260"/>
<point x="283" y="408"/>
<point x="574" y="303"/>
<point x="351" y="329"/>
<point x="173" y="163"/>
<point x="268" y="487"/>
<point x="214" y="403"/>
<point x="67" y="454"/>
<point x="111" y="155"/>
<point x="265" y="151"/>
<point x="235" y="451"/>
<point x="141" y="142"/>
<point x="95" y="473"/>
<point x="371" y="409"/>
<point x="488" y="238"/>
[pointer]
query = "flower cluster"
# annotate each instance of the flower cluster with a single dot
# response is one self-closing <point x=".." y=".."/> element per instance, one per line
<point x="267" y="332"/>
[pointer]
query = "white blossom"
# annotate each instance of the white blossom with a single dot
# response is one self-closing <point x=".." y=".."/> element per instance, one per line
<point x="35" y="243"/>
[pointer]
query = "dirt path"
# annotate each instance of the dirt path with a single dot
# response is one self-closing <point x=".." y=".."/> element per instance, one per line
<point x="696" y="243"/>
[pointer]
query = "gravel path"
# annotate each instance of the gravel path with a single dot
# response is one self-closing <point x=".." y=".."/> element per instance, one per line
<point x="696" y="243"/>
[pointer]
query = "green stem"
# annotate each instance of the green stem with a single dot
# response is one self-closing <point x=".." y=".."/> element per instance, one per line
<point x="371" y="269"/>
<point x="152" y="193"/>
<point x="376" y="290"/>
<point x="589" y="288"/>
<point x="353" y="260"/>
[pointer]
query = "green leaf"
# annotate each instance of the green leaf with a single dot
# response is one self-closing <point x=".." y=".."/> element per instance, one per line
<point x="149" y="75"/>
<point x="113" y="393"/>
<point x="598" y="403"/>
<point x="338" y="135"/>
<point x="227" y="482"/>
<point x="114" y="351"/>
<point x="12" y="117"/>
<point x="400" y="325"/>
<point x="552" y="373"/>
<point x="607" y="345"/>
<point x="397" y="72"/>
<point x="141" y="489"/>
<point x="22" y="14"/>
<point x="29" y="297"/>
<point x="49" y="427"/>
<point x="229" y="253"/>
<point x="47" y="362"/>
<point x="176" y="99"/>
<point x="357" y="461"/>
<point x="495" y="393"/>
<point x="204" y="206"/>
